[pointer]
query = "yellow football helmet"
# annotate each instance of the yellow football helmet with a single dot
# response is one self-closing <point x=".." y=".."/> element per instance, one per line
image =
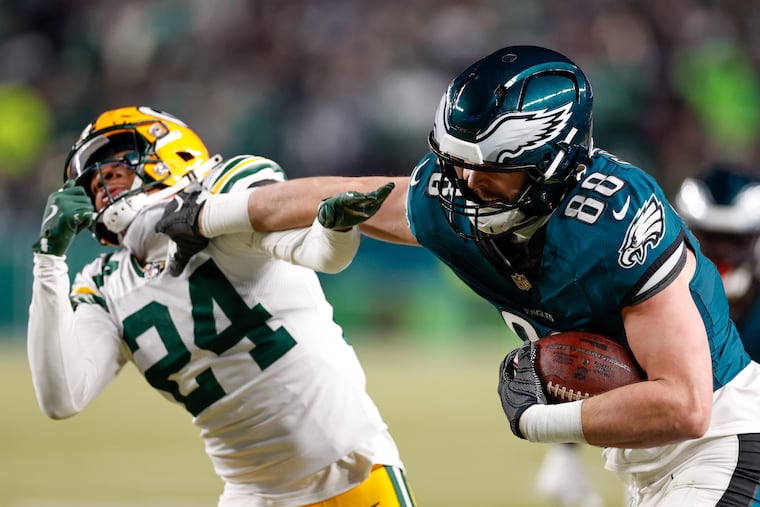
<point x="158" y="147"/>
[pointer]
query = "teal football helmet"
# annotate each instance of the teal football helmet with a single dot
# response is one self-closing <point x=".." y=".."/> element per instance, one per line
<point x="521" y="108"/>
<point x="722" y="208"/>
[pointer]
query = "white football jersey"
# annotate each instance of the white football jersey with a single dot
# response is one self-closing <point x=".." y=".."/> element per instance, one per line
<point x="244" y="342"/>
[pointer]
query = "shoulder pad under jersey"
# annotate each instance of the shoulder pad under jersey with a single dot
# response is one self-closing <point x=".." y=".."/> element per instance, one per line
<point x="242" y="172"/>
<point x="619" y="219"/>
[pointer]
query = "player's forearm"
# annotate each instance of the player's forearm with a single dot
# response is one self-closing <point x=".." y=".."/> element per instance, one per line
<point x="641" y="415"/>
<point x="50" y="316"/>
<point x="294" y="203"/>
<point x="315" y="247"/>
<point x="645" y="414"/>
<point x="63" y="373"/>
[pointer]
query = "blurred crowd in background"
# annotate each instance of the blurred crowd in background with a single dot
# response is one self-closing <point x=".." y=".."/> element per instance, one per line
<point x="350" y="86"/>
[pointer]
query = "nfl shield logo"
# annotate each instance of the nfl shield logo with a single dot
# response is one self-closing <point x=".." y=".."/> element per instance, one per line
<point x="521" y="281"/>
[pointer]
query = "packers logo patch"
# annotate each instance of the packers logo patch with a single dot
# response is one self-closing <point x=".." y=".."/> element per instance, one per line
<point x="645" y="231"/>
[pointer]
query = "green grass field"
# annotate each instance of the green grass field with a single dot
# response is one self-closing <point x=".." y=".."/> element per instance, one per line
<point x="132" y="448"/>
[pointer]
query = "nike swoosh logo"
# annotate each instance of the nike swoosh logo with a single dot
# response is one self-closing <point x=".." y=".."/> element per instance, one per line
<point x="51" y="215"/>
<point x="415" y="178"/>
<point x="619" y="215"/>
<point x="179" y="202"/>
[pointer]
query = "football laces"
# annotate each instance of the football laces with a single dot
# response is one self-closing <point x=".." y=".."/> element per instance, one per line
<point x="565" y="394"/>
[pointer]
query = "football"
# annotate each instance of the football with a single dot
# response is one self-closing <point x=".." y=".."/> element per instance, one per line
<point x="574" y="365"/>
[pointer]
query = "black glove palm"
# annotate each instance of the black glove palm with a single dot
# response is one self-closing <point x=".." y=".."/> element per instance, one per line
<point x="348" y="209"/>
<point x="180" y="223"/>
<point x="519" y="385"/>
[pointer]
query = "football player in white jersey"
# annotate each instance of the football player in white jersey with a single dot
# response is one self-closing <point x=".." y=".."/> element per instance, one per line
<point x="242" y="336"/>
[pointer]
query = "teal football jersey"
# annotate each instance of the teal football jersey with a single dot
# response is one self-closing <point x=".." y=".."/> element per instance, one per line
<point x="613" y="242"/>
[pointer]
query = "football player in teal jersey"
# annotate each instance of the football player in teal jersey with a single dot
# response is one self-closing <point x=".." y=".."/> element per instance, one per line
<point x="560" y="235"/>
<point x="241" y="337"/>
<point x="722" y="208"/>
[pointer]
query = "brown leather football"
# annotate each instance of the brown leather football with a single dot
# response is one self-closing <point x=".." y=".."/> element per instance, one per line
<point x="574" y="365"/>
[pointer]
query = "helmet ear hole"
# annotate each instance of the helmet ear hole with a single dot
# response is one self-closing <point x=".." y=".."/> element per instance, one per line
<point x="185" y="156"/>
<point x="545" y="162"/>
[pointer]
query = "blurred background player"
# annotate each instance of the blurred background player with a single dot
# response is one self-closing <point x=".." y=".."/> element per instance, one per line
<point x="242" y="337"/>
<point x="722" y="207"/>
<point x="563" y="479"/>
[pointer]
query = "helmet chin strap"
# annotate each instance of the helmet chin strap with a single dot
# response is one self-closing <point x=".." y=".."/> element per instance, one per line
<point x="494" y="224"/>
<point x="121" y="213"/>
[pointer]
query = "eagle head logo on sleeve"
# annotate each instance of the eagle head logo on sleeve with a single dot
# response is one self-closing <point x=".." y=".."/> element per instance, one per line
<point x="646" y="230"/>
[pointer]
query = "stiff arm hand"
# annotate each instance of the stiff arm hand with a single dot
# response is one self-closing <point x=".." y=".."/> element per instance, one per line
<point x="519" y="385"/>
<point x="68" y="211"/>
<point x="347" y="209"/>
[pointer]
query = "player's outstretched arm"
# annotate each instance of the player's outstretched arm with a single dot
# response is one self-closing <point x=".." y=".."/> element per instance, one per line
<point x="377" y="203"/>
<point x="294" y="203"/>
<point x="330" y="244"/>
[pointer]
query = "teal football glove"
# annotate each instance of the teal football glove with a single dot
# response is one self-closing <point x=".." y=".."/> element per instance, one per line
<point x="67" y="212"/>
<point x="348" y="209"/>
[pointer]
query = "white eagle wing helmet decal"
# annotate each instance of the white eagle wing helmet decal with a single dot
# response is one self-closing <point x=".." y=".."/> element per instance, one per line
<point x="515" y="133"/>
<point x="508" y="137"/>
<point x="646" y="230"/>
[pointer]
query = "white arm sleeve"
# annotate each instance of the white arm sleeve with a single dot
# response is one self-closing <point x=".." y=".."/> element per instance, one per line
<point x="315" y="247"/>
<point x="72" y="355"/>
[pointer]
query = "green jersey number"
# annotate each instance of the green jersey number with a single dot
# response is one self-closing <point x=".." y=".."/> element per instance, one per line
<point x="207" y="284"/>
